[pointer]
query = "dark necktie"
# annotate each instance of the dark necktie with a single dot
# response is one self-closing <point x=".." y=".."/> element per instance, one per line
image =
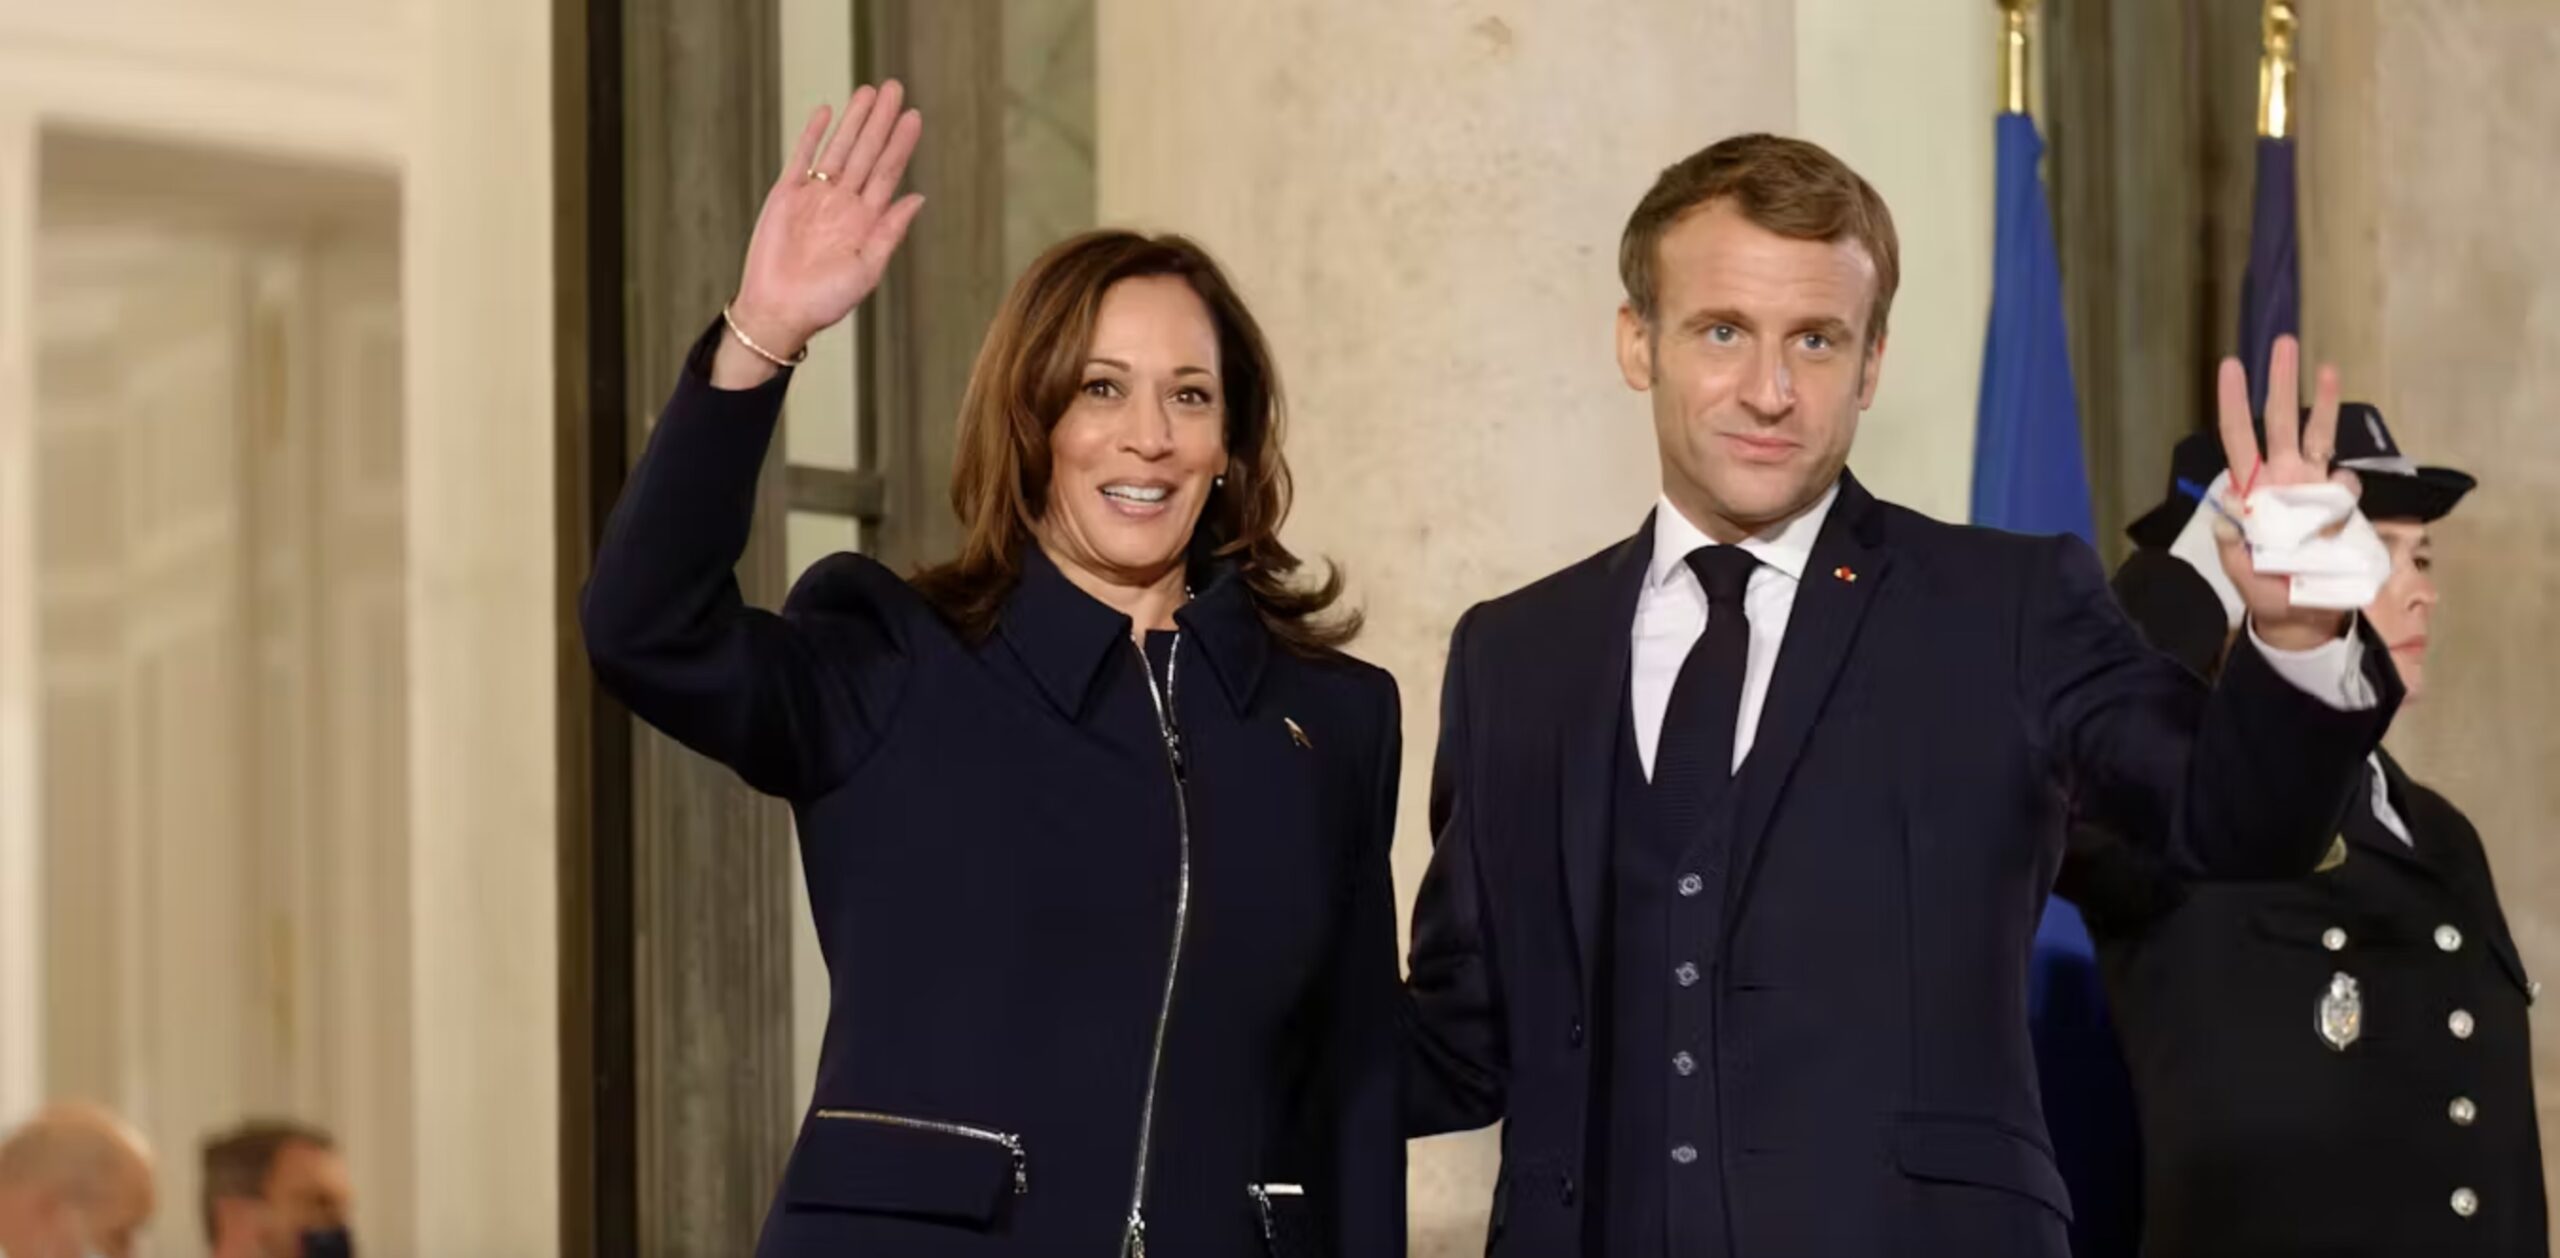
<point x="1694" y="760"/>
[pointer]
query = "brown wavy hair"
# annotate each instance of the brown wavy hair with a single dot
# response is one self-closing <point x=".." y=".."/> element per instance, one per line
<point x="1027" y="375"/>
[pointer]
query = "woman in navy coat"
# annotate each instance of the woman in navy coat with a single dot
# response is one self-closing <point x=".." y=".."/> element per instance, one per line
<point x="1095" y="817"/>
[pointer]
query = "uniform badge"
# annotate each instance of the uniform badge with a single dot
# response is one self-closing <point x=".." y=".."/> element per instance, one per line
<point x="2336" y="856"/>
<point x="1297" y="735"/>
<point x="2340" y="1016"/>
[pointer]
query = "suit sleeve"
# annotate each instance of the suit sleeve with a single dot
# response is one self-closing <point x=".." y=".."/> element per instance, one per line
<point x="790" y="701"/>
<point x="1457" y="1063"/>
<point x="2245" y="780"/>
<point x="1359" y="1085"/>
<point x="2119" y="886"/>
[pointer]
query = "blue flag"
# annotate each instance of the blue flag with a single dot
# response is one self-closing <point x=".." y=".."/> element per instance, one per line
<point x="2271" y="290"/>
<point x="2029" y="476"/>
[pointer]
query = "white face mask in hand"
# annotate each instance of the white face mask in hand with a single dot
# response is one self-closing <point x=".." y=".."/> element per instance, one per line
<point x="2288" y="529"/>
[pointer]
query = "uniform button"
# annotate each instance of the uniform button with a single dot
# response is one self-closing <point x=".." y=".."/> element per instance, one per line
<point x="2448" y="939"/>
<point x="1573" y="1034"/>
<point x="2462" y="1111"/>
<point x="2333" y="939"/>
<point x="2466" y="1202"/>
<point x="1686" y="973"/>
<point x="1684" y="1154"/>
<point x="2460" y="1024"/>
<point x="1691" y="884"/>
<point x="1564" y="1189"/>
<point x="1684" y="1063"/>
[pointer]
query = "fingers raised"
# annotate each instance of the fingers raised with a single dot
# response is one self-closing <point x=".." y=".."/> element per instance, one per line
<point x="2231" y="403"/>
<point x="2284" y="401"/>
<point x="892" y="165"/>
<point x="892" y="227"/>
<point x="874" y="136"/>
<point x="2320" y="433"/>
<point x="857" y="113"/>
<point x="804" y="154"/>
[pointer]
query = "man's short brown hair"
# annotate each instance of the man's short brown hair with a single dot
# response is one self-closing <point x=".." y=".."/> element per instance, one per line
<point x="1795" y="188"/>
<point x="238" y="1162"/>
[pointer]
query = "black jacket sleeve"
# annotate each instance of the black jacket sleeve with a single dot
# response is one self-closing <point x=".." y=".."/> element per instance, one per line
<point x="1457" y="1060"/>
<point x="792" y="701"/>
<point x="2245" y="780"/>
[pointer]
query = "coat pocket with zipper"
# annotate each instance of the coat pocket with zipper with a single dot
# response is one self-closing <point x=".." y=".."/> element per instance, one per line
<point x="867" y="1161"/>
<point x="1287" y="1221"/>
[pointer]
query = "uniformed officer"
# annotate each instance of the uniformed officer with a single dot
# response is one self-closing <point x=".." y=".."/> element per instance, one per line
<point x="2339" y="1064"/>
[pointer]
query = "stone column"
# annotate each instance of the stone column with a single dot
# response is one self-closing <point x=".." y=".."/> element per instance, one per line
<point x="711" y="860"/>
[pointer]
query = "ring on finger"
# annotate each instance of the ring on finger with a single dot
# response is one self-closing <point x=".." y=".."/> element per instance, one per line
<point x="821" y="176"/>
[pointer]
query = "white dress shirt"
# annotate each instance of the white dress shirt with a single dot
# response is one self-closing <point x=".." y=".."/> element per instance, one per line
<point x="1671" y="615"/>
<point x="2382" y="809"/>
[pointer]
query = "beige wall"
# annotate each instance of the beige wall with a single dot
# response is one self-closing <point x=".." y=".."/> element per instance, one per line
<point x="1904" y="90"/>
<point x="451" y="97"/>
<point x="1423" y="204"/>
<point x="2431" y="275"/>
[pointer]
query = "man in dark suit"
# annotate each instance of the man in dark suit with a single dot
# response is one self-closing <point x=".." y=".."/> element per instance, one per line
<point x="2340" y="1063"/>
<point x="1779" y="1010"/>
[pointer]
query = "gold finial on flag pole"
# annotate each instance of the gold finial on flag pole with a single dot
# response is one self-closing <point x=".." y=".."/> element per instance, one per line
<point x="2275" y="69"/>
<point x="2015" y="16"/>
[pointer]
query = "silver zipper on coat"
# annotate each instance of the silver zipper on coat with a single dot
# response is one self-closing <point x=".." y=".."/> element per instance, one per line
<point x="1262" y="1195"/>
<point x="1012" y="1143"/>
<point x="1133" y="1242"/>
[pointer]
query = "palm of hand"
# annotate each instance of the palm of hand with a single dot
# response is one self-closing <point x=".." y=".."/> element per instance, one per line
<point x="829" y="224"/>
<point x="2289" y="458"/>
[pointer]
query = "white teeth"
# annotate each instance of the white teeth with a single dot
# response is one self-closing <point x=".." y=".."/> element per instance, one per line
<point x="1137" y="493"/>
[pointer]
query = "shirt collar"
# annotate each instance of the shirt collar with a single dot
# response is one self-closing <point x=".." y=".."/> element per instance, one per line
<point x="1788" y="547"/>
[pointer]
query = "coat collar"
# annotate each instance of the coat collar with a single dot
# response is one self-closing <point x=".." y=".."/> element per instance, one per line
<point x="1063" y="635"/>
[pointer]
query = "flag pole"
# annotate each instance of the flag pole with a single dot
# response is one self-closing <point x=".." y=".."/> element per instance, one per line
<point x="2014" y="26"/>
<point x="2275" y="69"/>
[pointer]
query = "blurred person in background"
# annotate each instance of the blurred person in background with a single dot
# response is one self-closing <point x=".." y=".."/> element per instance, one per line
<point x="75" y="1182"/>
<point x="277" y="1189"/>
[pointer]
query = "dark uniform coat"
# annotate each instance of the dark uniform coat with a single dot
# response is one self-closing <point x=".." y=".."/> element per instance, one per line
<point x="2338" y="1064"/>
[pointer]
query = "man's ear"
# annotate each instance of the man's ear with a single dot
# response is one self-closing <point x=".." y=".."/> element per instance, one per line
<point x="1635" y="348"/>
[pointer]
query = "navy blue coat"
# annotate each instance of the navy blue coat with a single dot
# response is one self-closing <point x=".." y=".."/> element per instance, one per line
<point x="1892" y="837"/>
<point x="990" y="835"/>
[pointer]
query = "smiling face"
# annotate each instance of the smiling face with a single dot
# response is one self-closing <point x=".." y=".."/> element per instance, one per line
<point x="1758" y="362"/>
<point x="1135" y="457"/>
<point x="2405" y="608"/>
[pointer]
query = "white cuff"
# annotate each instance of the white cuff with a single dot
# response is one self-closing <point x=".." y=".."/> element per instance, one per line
<point x="2332" y="672"/>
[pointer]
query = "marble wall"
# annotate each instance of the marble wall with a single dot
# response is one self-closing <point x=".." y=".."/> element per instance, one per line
<point x="2431" y="276"/>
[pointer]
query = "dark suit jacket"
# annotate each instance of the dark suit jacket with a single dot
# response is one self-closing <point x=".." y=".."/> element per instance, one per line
<point x="990" y="835"/>
<point x="2260" y="1138"/>
<point x="1941" y="694"/>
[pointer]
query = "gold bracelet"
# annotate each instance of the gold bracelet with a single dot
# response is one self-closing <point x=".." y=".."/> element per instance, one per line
<point x="760" y="351"/>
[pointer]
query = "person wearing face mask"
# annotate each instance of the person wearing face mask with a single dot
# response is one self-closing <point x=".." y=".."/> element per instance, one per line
<point x="276" y="1189"/>
<point x="1094" y="816"/>
<point x="2338" y="1063"/>
<point x="75" y="1182"/>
